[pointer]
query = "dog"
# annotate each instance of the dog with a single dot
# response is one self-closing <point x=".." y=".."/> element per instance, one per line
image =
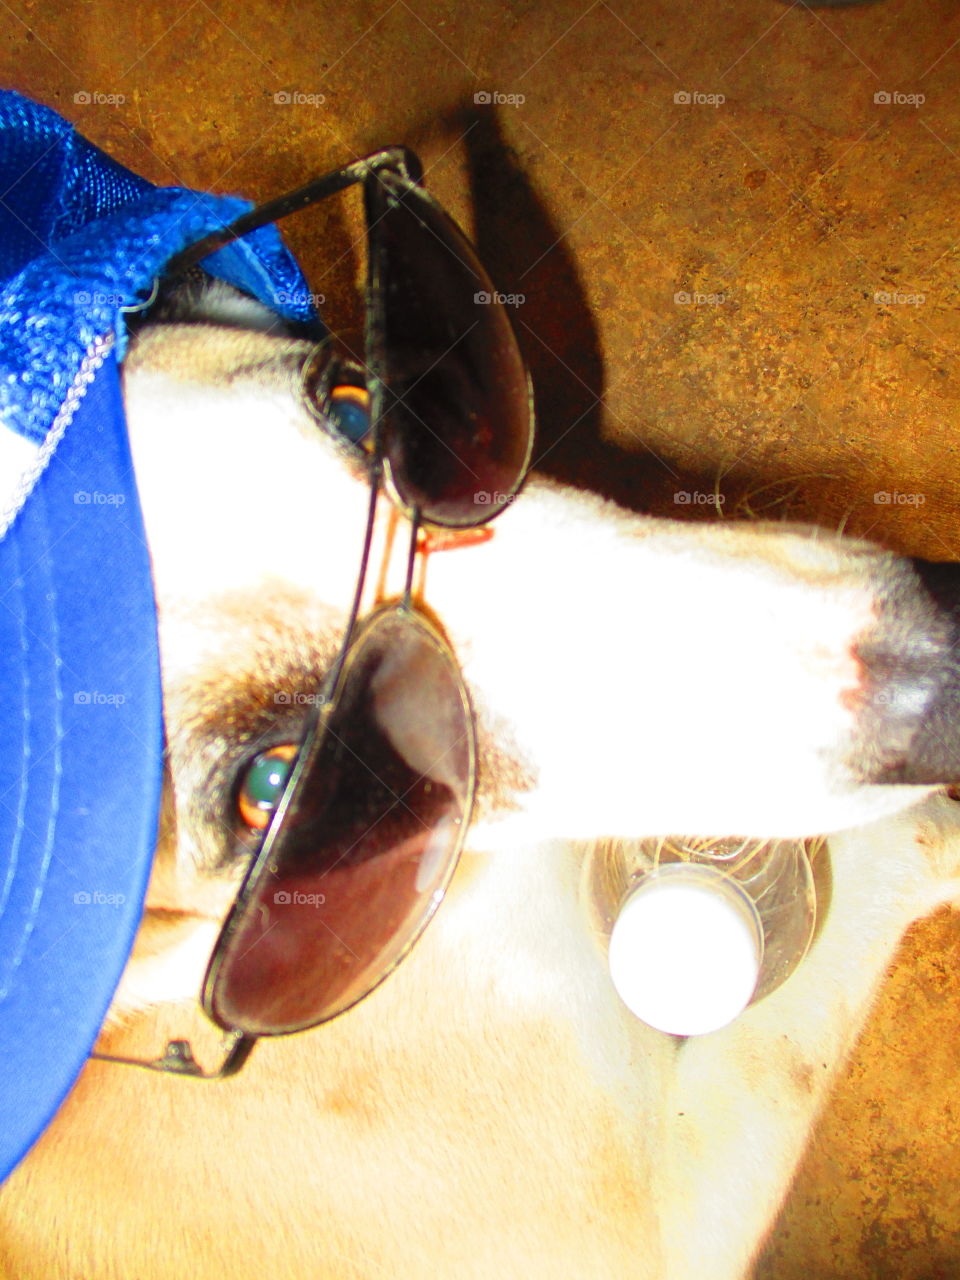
<point x="493" y="1108"/>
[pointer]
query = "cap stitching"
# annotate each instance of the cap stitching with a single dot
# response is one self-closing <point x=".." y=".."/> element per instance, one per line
<point x="90" y="365"/>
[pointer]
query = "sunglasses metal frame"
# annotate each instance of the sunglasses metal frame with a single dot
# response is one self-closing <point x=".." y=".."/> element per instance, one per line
<point x="236" y="1045"/>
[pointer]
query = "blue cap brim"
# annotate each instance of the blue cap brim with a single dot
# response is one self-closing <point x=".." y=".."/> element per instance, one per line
<point x="80" y="756"/>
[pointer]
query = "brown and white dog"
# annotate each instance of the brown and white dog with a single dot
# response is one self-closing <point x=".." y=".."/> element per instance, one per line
<point x="493" y="1109"/>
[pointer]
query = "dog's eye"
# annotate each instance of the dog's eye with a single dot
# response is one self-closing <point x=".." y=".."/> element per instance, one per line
<point x="348" y="407"/>
<point x="262" y="783"/>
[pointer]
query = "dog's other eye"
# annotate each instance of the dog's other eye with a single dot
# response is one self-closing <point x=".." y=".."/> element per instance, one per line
<point x="348" y="407"/>
<point x="262" y="783"/>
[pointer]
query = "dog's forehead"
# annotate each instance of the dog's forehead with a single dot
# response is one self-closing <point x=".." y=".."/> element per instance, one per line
<point x="240" y="486"/>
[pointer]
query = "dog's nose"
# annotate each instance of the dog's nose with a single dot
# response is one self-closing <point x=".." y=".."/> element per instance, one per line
<point x="910" y="718"/>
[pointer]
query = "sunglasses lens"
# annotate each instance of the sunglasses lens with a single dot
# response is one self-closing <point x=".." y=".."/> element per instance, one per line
<point x="364" y="843"/>
<point x="457" y="415"/>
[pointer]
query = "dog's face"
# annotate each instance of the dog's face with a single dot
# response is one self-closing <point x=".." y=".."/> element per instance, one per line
<point x="493" y="1108"/>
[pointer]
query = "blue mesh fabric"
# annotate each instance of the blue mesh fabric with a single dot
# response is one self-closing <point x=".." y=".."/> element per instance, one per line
<point x="81" y="237"/>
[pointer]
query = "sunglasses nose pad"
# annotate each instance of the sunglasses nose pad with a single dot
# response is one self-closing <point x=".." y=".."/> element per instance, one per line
<point x="363" y="843"/>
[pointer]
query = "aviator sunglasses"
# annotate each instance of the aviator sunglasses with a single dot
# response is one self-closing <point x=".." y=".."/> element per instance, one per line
<point x="357" y="853"/>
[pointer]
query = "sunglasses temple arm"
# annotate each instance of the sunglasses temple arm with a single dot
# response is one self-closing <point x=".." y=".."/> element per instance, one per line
<point x="293" y="202"/>
<point x="177" y="1058"/>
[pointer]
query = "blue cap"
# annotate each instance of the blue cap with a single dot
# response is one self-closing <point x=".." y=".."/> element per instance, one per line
<point x="82" y="241"/>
